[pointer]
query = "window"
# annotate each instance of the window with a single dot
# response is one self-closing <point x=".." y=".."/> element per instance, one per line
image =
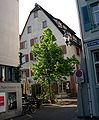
<point x="23" y="73"/>
<point x="95" y="14"/>
<point x="2" y="73"/>
<point x="63" y="87"/>
<point x="31" y="42"/>
<point x="29" y="29"/>
<point x="35" y="14"/>
<point x="9" y="73"/>
<point x="31" y="56"/>
<point x="96" y="65"/>
<point x="35" y="40"/>
<point x="25" y="44"/>
<point x="23" y="59"/>
<point x="77" y="51"/>
<point x="12" y="103"/>
<point x="44" y="24"/>
<point x="63" y="48"/>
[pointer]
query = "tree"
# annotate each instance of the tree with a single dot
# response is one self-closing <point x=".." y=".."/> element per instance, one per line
<point x="50" y="63"/>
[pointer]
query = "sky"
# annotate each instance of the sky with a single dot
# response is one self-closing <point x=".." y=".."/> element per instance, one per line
<point x="65" y="10"/>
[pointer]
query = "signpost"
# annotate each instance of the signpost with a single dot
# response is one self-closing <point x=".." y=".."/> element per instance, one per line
<point x="79" y="77"/>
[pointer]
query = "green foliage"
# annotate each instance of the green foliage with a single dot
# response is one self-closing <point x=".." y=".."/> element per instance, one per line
<point x="50" y="63"/>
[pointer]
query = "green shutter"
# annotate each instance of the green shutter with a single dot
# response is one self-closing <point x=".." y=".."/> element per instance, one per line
<point x="86" y="18"/>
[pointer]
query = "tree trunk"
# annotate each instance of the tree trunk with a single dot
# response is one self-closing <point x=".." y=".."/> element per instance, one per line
<point x="49" y="89"/>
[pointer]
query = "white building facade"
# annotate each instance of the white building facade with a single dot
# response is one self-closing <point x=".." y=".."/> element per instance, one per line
<point x="38" y="20"/>
<point x="10" y="88"/>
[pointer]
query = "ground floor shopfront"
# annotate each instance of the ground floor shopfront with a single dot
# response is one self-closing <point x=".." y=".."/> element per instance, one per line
<point x="10" y="100"/>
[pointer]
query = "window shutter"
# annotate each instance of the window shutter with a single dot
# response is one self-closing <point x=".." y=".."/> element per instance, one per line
<point x="32" y="74"/>
<point x="31" y="42"/>
<point x="40" y="38"/>
<point x="77" y="51"/>
<point x="21" y="45"/>
<point x="86" y="18"/>
<point x="26" y="58"/>
<point x="27" y="72"/>
<point x="63" y="48"/>
<point x="31" y="56"/>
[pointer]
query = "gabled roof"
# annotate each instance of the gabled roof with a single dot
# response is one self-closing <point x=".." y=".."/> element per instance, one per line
<point x="53" y="19"/>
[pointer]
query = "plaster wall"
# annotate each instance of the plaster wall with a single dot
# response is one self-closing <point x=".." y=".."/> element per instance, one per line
<point x="9" y="32"/>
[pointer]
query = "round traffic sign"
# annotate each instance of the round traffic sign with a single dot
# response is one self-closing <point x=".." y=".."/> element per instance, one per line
<point x="79" y="73"/>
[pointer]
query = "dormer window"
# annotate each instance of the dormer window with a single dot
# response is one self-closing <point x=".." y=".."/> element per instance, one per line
<point x="29" y="29"/>
<point x="35" y="14"/>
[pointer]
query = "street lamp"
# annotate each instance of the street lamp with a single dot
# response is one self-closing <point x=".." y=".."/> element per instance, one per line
<point x="67" y="41"/>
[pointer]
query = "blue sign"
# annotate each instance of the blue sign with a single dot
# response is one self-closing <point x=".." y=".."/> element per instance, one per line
<point x="93" y="43"/>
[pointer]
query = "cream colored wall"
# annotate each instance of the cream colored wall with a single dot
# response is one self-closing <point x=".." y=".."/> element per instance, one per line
<point x="9" y="32"/>
<point x="37" y="30"/>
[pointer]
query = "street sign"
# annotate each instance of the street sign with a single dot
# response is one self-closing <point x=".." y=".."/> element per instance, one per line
<point x="79" y="77"/>
<point x="79" y="73"/>
<point x="92" y="43"/>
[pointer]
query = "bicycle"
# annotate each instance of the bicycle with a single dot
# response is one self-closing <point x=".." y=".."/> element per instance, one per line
<point x="28" y="108"/>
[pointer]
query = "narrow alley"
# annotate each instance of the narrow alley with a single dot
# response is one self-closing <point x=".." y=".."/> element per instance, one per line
<point x="65" y="109"/>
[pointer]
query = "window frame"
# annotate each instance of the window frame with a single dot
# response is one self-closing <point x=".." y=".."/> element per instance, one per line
<point x="44" y="25"/>
<point x="36" y="40"/>
<point x="35" y="14"/>
<point x="93" y="13"/>
<point x="25" y="44"/>
<point x="24" y="58"/>
<point x="95" y="63"/>
<point x="29" y="29"/>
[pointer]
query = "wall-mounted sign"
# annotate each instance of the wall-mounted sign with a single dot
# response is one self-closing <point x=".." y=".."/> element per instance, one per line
<point x="2" y="102"/>
<point x="93" y="43"/>
<point x="79" y="77"/>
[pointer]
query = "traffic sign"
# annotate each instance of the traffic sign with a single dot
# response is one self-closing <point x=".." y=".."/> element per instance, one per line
<point x="79" y="77"/>
<point x="79" y="73"/>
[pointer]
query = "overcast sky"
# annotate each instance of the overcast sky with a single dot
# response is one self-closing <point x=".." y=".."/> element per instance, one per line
<point x="65" y="10"/>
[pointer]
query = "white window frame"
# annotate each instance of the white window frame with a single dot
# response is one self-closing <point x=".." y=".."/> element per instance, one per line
<point x="95" y="62"/>
<point x="93" y="13"/>
<point x="25" y="44"/>
<point x="23" y="59"/>
<point x="29" y="29"/>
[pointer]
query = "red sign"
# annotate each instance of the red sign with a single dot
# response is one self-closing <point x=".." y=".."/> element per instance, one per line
<point x="79" y="73"/>
<point x="1" y="100"/>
